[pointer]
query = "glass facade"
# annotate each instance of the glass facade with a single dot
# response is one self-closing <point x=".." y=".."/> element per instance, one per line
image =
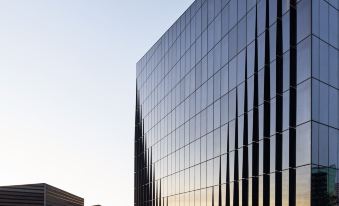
<point x="238" y="104"/>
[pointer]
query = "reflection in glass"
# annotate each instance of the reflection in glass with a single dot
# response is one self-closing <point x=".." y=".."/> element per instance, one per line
<point x="191" y="96"/>
<point x="304" y="60"/>
<point x="324" y="186"/>
<point x="303" y="186"/>
<point x="303" y="19"/>
<point x="304" y="102"/>
<point x="303" y="144"/>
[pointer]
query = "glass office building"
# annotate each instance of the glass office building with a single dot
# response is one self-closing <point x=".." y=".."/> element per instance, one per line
<point x="237" y="104"/>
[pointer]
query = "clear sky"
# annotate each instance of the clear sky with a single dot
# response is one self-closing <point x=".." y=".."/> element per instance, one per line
<point x="67" y="91"/>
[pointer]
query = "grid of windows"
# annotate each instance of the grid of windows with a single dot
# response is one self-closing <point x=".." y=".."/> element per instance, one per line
<point x="237" y="104"/>
<point x="325" y="101"/>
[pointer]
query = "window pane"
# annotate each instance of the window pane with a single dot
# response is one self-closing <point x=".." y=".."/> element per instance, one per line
<point x="261" y="50"/>
<point x="315" y="143"/>
<point x="223" y="169"/>
<point x="273" y="81"/>
<point x="216" y="148"/>
<point x="216" y="171"/>
<point x="233" y="13"/>
<point x="324" y="176"/>
<point x="217" y="86"/>
<point x="210" y="91"/>
<point x="224" y="50"/>
<point x="203" y="149"/>
<point x="231" y="136"/>
<point x="286" y="71"/>
<point x="323" y="145"/>
<point x="273" y="153"/>
<point x="210" y="7"/>
<point x="303" y="19"/>
<point x="250" y="59"/>
<point x="240" y="132"/>
<point x="241" y="34"/>
<point x="333" y="68"/>
<point x="303" y="144"/>
<point x="241" y="9"/>
<point x="210" y="64"/>
<point x="333" y="26"/>
<point x="333" y="107"/>
<point x="209" y="173"/>
<point x="315" y="57"/>
<point x="286" y="110"/>
<point x="209" y="118"/>
<point x="273" y="11"/>
<point x="204" y="43"/>
<point x="250" y="4"/>
<point x="285" y="157"/>
<point x="261" y="78"/>
<point x="224" y="80"/>
<point x="315" y="17"/>
<point x="217" y="29"/>
<point x="273" y="42"/>
<point x="323" y="106"/>
<point x="285" y="188"/>
<point x="304" y="60"/>
<point x="241" y="98"/>
<point x="333" y="148"/>
<point x="315" y="100"/>
<point x="231" y="164"/>
<point x="250" y="92"/>
<point x="323" y="61"/>
<point x="241" y="67"/>
<point x="197" y="151"/>
<point x="323" y="20"/>
<point x="303" y="186"/>
<point x="232" y="74"/>
<point x="216" y="114"/>
<point x="251" y="26"/>
<point x="224" y="109"/>
<point x="286" y="31"/>
<point x="232" y="105"/>
<point x="232" y="43"/>
<point x="261" y="5"/>
<point x="273" y="117"/>
<point x="217" y="57"/>
<point x="304" y="102"/>
<point x="224" y="19"/>
<point x="223" y="140"/>
<point x="261" y="157"/>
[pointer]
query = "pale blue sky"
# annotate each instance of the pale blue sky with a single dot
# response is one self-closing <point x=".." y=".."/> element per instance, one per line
<point x="67" y="91"/>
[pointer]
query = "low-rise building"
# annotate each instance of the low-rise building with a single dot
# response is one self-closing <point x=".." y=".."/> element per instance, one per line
<point x="37" y="195"/>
